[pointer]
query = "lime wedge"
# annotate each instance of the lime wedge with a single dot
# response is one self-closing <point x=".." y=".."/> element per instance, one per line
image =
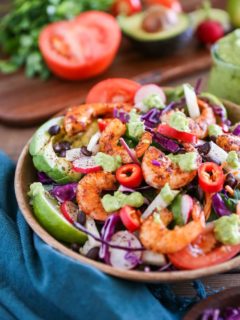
<point x="47" y="212"/>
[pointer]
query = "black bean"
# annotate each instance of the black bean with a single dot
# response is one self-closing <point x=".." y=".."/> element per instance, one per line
<point x="85" y="151"/>
<point x="231" y="181"/>
<point x="93" y="253"/>
<point x="75" y="247"/>
<point x="204" y="148"/>
<point x="81" y="218"/>
<point x="57" y="147"/>
<point x="62" y="154"/>
<point x="65" y="145"/>
<point x="54" y="130"/>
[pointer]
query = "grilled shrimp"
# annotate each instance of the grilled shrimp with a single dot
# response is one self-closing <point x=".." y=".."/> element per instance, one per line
<point x="198" y="126"/>
<point x="79" y="117"/>
<point x="166" y="172"/>
<point x="229" y="142"/>
<point x="89" y="190"/>
<point x="109" y="141"/>
<point x="155" y="236"/>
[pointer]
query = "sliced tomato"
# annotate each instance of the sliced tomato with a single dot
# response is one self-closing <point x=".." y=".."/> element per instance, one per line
<point x="203" y="252"/>
<point x="130" y="218"/>
<point x="69" y="210"/>
<point x="80" y="48"/>
<point x="170" y="132"/>
<point x="126" y="7"/>
<point x="129" y="175"/>
<point x="113" y="90"/>
<point x="210" y="177"/>
<point x="102" y="124"/>
<point x="170" y="4"/>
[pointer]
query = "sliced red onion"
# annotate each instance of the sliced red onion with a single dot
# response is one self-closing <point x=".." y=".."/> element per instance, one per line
<point x="191" y="100"/>
<point x="93" y="141"/>
<point x="130" y="152"/>
<point x="156" y="163"/>
<point x="125" y="189"/>
<point x="108" y="243"/>
<point x="122" y="259"/>
<point x="106" y="234"/>
<point x="198" y="86"/>
<point x="64" y="192"/>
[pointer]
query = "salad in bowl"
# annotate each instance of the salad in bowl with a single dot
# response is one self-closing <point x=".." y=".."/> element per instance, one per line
<point x="141" y="178"/>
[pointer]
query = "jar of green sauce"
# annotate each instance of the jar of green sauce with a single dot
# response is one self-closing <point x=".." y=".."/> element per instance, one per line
<point x="224" y="80"/>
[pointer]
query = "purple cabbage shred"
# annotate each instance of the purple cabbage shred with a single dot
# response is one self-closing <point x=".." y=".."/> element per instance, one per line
<point x="236" y="130"/>
<point x="121" y="115"/>
<point x="165" y="143"/>
<point x="219" y="206"/>
<point x="44" y="178"/>
<point x="65" y="192"/>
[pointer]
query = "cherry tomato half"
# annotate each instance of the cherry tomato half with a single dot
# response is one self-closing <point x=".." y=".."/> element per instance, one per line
<point x="170" y="4"/>
<point x="130" y="218"/>
<point x="81" y="48"/>
<point x="126" y="7"/>
<point x="129" y="175"/>
<point x="210" y="177"/>
<point x="113" y="90"/>
<point x="170" y="132"/>
<point x="205" y="251"/>
<point x="69" y="210"/>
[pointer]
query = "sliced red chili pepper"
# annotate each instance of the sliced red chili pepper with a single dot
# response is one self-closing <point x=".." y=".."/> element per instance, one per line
<point x="103" y="123"/>
<point x="129" y="175"/>
<point x="130" y="218"/>
<point x="210" y="177"/>
<point x="170" y="132"/>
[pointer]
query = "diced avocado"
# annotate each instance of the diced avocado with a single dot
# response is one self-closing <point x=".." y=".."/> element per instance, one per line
<point x="107" y="162"/>
<point x="232" y="160"/>
<point x="167" y="194"/>
<point x="118" y="200"/>
<point x="41" y="136"/>
<point x="214" y="130"/>
<point x="46" y="210"/>
<point x="227" y="229"/>
<point x="156" y="43"/>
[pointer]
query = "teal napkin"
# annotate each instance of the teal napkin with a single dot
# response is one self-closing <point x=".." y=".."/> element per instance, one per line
<point x="37" y="282"/>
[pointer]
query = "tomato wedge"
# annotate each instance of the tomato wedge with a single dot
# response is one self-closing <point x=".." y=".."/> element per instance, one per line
<point x="170" y="132"/>
<point x="200" y="254"/>
<point x="210" y="177"/>
<point x="130" y="218"/>
<point x="69" y="210"/>
<point x="80" y="48"/>
<point x="126" y="7"/>
<point x="170" y="4"/>
<point x="129" y="175"/>
<point x="113" y="90"/>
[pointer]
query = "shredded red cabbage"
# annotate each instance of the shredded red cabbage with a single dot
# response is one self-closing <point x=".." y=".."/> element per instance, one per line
<point x="44" y="178"/>
<point x="165" y="143"/>
<point x="108" y="243"/>
<point x="64" y="192"/>
<point x="130" y="152"/>
<point x="151" y="118"/>
<point x="156" y="163"/>
<point x="236" y="130"/>
<point x="229" y="313"/>
<point x="132" y="258"/>
<point x="219" y="206"/>
<point x="106" y="233"/>
<point x="121" y="115"/>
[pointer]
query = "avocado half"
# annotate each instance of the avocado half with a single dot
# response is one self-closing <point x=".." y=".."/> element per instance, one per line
<point x="157" y="43"/>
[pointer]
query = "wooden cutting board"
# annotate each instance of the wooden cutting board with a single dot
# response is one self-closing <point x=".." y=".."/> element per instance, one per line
<point x="26" y="102"/>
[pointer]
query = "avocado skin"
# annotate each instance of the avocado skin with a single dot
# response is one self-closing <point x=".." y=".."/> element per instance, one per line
<point x="163" y="47"/>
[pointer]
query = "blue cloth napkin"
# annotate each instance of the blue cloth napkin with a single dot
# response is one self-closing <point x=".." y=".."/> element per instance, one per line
<point x="37" y="282"/>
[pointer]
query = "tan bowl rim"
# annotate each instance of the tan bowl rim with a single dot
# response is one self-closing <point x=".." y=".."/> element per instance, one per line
<point x="141" y="276"/>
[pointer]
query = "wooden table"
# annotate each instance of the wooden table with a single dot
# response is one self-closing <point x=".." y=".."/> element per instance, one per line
<point x="127" y="64"/>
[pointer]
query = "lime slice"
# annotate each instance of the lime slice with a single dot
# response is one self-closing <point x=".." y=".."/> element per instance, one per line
<point x="46" y="210"/>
